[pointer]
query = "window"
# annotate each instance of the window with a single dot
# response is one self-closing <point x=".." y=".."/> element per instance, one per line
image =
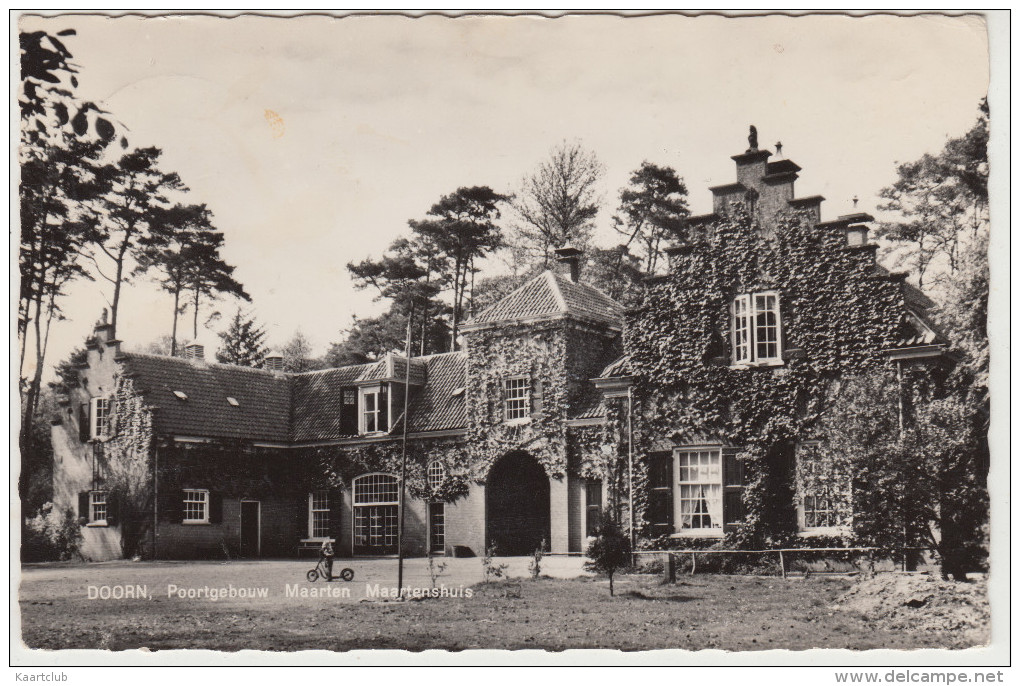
<point x="374" y="408"/>
<point x="98" y="510"/>
<point x="437" y="528"/>
<point x="99" y="418"/>
<point x="517" y="398"/>
<point x="376" y="497"/>
<point x="818" y="512"/>
<point x="699" y="481"/>
<point x="437" y="474"/>
<point x="196" y="506"/>
<point x="592" y="506"/>
<point x="318" y="514"/>
<point x="756" y="329"/>
<point x="818" y="509"/>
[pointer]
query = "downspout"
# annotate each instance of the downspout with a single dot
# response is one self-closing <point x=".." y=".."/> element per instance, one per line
<point x="630" y="462"/>
<point x="155" y="497"/>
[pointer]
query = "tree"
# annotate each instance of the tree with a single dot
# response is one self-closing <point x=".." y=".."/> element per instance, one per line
<point x="610" y="551"/>
<point x="370" y="338"/>
<point x="922" y="484"/>
<point x="243" y="342"/>
<point x="61" y="145"/>
<point x="558" y="202"/>
<point x="652" y="210"/>
<point x="139" y="193"/>
<point x="180" y="251"/>
<point x="297" y="354"/>
<point x="462" y="227"/>
<point x="942" y="203"/>
<point x="616" y="272"/>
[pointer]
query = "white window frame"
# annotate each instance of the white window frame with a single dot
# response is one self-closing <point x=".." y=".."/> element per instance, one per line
<point x="744" y="330"/>
<point x="99" y="417"/>
<point x="806" y="455"/>
<point x="516" y="389"/>
<point x="714" y="482"/>
<point x="364" y="412"/>
<point x="358" y="503"/>
<point x="192" y="492"/>
<point x="436" y="474"/>
<point x="98" y="499"/>
<point x="315" y="506"/>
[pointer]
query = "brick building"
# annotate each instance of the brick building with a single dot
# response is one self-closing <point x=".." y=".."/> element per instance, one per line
<point x="516" y="442"/>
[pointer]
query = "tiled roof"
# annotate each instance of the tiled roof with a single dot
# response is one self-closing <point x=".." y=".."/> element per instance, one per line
<point x="263" y="398"/>
<point x="618" y="367"/>
<point x="439" y="405"/>
<point x="318" y="397"/>
<point x="549" y="294"/>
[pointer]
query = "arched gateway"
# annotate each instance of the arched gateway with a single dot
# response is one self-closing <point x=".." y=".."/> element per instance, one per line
<point x="516" y="505"/>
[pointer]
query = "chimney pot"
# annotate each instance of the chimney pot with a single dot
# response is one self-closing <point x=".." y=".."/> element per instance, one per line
<point x="571" y="257"/>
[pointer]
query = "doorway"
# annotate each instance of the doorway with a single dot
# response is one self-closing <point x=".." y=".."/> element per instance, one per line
<point x="251" y="528"/>
<point x="517" y="505"/>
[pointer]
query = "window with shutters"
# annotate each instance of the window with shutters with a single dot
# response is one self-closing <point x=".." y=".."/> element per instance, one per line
<point x="318" y="514"/>
<point x="516" y="398"/>
<point x="756" y="329"/>
<point x="659" y="512"/>
<point x="374" y="410"/>
<point x="699" y="501"/>
<point x="99" y="414"/>
<point x="98" y="509"/>
<point x="196" y="506"/>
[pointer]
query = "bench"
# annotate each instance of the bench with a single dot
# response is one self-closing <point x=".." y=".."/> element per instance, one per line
<point x="310" y="545"/>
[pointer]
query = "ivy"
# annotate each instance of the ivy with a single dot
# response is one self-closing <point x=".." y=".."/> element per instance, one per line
<point x="837" y="313"/>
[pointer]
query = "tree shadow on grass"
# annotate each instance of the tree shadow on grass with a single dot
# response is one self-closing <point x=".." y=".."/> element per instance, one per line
<point x="669" y="598"/>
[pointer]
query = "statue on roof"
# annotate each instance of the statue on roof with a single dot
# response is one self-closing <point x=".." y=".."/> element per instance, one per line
<point x="752" y="140"/>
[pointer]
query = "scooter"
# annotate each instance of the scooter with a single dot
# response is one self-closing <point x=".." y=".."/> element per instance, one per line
<point x="346" y="574"/>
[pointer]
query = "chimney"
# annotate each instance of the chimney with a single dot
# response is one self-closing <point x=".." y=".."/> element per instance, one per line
<point x="193" y="350"/>
<point x="571" y="258"/>
<point x="273" y="361"/>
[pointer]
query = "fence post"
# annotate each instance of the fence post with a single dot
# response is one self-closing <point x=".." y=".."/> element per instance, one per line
<point x="782" y="564"/>
<point x="671" y="565"/>
<point x="694" y="562"/>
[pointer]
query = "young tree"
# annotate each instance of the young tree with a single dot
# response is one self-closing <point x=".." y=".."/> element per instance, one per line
<point x="297" y="354"/>
<point x="558" y="202"/>
<point x="140" y="190"/>
<point x="462" y="228"/>
<point x="652" y="209"/>
<point x="243" y="342"/>
<point x="610" y="551"/>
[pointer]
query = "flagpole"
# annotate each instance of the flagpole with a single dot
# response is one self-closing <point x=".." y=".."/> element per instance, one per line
<point x="403" y="455"/>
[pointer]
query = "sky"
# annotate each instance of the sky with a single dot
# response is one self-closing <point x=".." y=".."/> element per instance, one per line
<point x="314" y="140"/>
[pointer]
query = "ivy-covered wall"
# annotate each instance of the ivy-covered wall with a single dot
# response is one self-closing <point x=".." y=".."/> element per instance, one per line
<point x="837" y="314"/>
<point x="559" y="357"/>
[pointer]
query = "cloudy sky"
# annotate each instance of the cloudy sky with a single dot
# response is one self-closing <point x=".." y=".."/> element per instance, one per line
<point x="314" y="140"/>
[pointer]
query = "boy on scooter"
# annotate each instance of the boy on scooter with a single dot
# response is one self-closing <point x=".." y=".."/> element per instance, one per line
<point x="326" y="553"/>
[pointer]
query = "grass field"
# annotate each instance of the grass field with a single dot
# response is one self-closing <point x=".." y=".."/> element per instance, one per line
<point x="701" y="612"/>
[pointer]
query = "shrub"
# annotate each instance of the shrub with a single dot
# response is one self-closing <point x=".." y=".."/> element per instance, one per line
<point x="490" y="570"/>
<point x="53" y="534"/>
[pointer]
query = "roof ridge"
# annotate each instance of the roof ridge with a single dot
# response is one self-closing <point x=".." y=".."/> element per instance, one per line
<point x="508" y="296"/>
<point x="206" y="363"/>
<point x="591" y="288"/>
<point x="557" y="293"/>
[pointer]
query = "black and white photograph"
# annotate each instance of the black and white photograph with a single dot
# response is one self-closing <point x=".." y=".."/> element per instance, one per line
<point x="665" y="336"/>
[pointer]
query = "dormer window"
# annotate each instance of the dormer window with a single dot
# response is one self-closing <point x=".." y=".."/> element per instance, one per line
<point x="517" y="398"/>
<point x="756" y="331"/>
<point x="374" y="410"/>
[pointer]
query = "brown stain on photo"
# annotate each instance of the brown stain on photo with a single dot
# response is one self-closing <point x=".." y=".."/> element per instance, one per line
<point x="275" y="123"/>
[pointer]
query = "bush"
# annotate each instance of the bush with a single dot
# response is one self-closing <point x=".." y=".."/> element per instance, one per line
<point x="610" y="551"/>
<point x="52" y="534"/>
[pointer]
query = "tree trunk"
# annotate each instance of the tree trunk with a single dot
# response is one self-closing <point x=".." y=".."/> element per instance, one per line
<point x="173" y="334"/>
<point x="611" y="592"/>
<point x="194" y="335"/>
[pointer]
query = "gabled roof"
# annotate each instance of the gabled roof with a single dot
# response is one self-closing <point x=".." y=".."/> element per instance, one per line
<point x="263" y="398"/>
<point x="549" y="295"/>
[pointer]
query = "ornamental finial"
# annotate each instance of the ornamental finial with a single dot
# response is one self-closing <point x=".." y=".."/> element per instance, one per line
<point x="752" y="140"/>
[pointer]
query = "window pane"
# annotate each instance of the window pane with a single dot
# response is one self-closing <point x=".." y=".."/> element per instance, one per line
<point x="375" y="488"/>
<point x="700" y="489"/>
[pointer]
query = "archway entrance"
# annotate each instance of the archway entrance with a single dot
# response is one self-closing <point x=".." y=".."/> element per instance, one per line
<point x="516" y="505"/>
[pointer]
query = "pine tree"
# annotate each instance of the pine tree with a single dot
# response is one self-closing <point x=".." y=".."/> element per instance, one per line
<point x="243" y="342"/>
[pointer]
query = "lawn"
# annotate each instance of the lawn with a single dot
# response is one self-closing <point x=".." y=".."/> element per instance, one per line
<point x="700" y="612"/>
